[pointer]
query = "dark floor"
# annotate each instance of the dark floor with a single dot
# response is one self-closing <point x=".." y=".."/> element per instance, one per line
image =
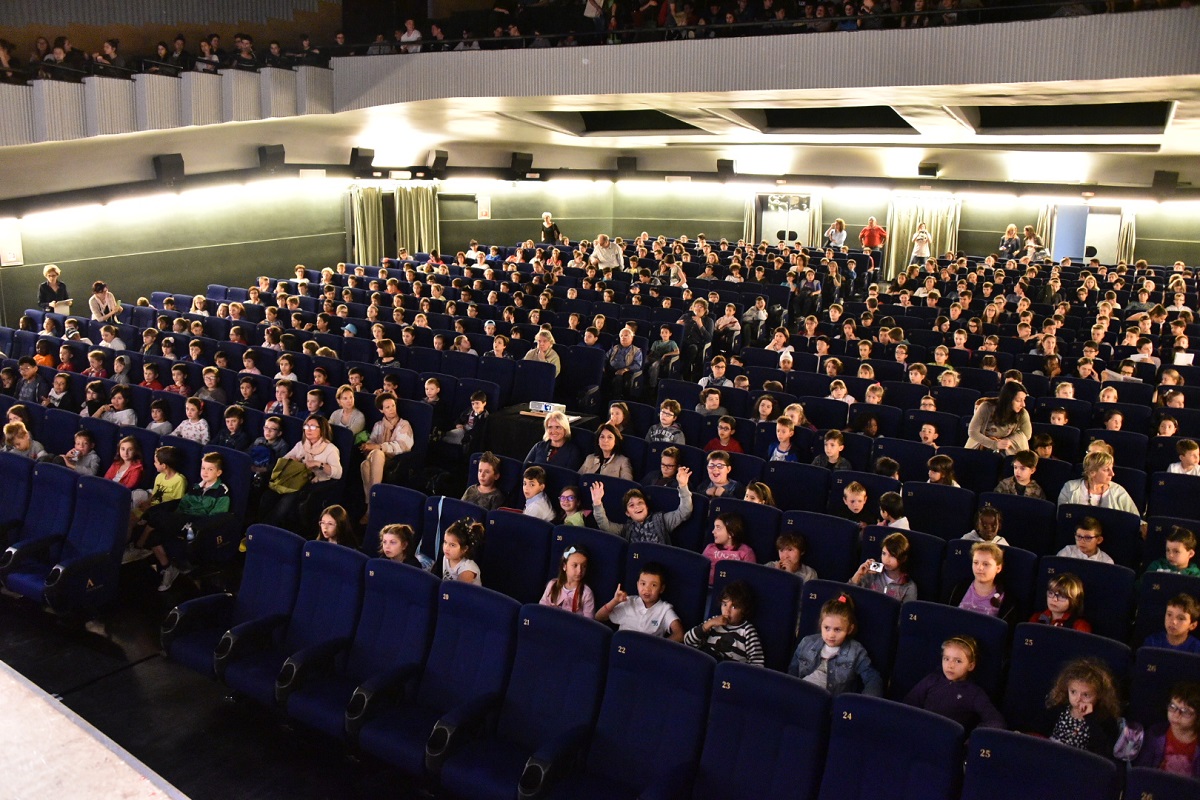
<point x="110" y="671"/>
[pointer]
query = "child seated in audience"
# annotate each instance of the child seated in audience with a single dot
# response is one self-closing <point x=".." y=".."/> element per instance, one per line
<point x="334" y="526"/>
<point x="758" y="492"/>
<point x="854" y="505"/>
<point x="82" y="457"/>
<point x="891" y="511"/>
<point x="1113" y="420"/>
<point x="287" y="366"/>
<point x="928" y="403"/>
<point x="459" y="543"/>
<point x="120" y="374"/>
<point x="985" y="594"/>
<point x="838" y="391"/>
<point x="127" y="469"/>
<point x="730" y="636"/>
<point x="832" y="658"/>
<point x="645" y="612"/>
<point x="95" y="367"/>
<point x="792" y="547"/>
<point x="929" y="434"/>
<point x="569" y="591"/>
<point x="284" y="404"/>
<point x="727" y="545"/>
<point x="8" y="381"/>
<point x="167" y="526"/>
<point x="160" y="418"/>
<point x="1181" y="551"/>
<point x="1171" y="745"/>
<point x="395" y="544"/>
<point x="233" y="434"/>
<point x="314" y="402"/>
<point x="59" y="391"/>
<point x="1022" y="483"/>
<point x="873" y="395"/>
<point x="250" y="363"/>
<point x="835" y="443"/>
<point x="667" y="428"/>
<point x="1179" y="623"/>
<point x="1083" y="707"/>
<point x="169" y="487"/>
<point x="1064" y="604"/>
<point x="43" y="355"/>
<point x="486" y="493"/>
<point x="941" y="471"/>
<point x="570" y="510"/>
<point x="720" y="483"/>
<point x="726" y="426"/>
<point x="469" y="428"/>
<point x="179" y="385"/>
<point x="537" y="505"/>
<point x="784" y="449"/>
<point x="248" y="394"/>
<point x="1058" y="416"/>
<point x="194" y="428"/>
<point x="1043" y="445"/>
<point x="887" y="467"/>
<point x="95" y="397"/>
<point x="710" y="404"/>
<point x="150" y="377"/>
<point x="1089" y="535"/>
<point x="715" y="379"/>
<point x="211" y="390"/>
<point x="18" y="439"/>
<point x="1189" y="458"/>
<point x="66" y="358"/>
<point x="950" y="692"/>
<point x="1167" y="427"/>
<point x="644" y="526"/>
<point x="888" y="575"/>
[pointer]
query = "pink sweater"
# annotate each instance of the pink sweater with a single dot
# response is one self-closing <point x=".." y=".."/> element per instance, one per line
<point x="715" y="554"/>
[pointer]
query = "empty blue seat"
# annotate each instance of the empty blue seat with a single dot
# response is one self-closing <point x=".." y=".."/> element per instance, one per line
<point x="923" y="628"/>
<point x="826" y="413"/>
<point x="925" y="556"/>
<point x="1039" y="652"/>
<point x="686" y="577"/>
<point x="1108" y="592"/>
<point x="797" y="487"/>
<point x="16" y="476"/>
<point x="393" y="634"/>
<point x="766" y="736"/>
<point x="549" y="706"/>
<point x="1149" y="783"/>
<point x="1129" y="447"/>
<point x="651" y="723"/>
<point x="832" y="542"/>
<point x="945" y="511"/>
<point x="270" y="577"/>
<point x="876" y="612"/>
<point x="515" y="555"/>
<point x="1003" y="765"/>
<point x="977" y="470"/>
<point x="250" y="656"/>
<point x="776" y="606"/>
<point x="469" y="661"/>
<point x="924" y="760"/>
<point x="1173" y="495"/>
<point x="910" y="455"/>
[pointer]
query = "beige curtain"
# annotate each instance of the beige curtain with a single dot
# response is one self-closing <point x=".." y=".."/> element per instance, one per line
<point x="1127" y="237"/>
<point x="940" y="215"/>
<point x="816" y="231"/>
<point x="417" y="218"/>
<point x="1047" y="218"/>
<point x="366" y="217"/>
<point x="749" y="217"/>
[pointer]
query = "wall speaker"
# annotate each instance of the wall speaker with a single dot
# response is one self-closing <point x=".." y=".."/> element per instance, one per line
<point x="520" y="165"/>
<point x="168" y="168"/>
<point x="725" y="167"/>
<point x="270" y="157"/>
<point x="929" y="170"/>
<point x="1165" y="180"/>
<point x="361" y="159"/>
<point x="437" y="162"/>
<point x="626" y="165"/>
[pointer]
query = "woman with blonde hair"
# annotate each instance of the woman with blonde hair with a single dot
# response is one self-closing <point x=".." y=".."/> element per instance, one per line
<point x="1096" y="487"/>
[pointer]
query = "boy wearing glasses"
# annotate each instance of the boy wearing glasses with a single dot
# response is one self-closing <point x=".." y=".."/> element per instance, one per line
<point x="719" y="483"/>
<point x="667" y="428"/>
<point x="1089" y="535"/>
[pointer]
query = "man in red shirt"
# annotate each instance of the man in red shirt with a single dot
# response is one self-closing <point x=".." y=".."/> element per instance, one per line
<point x="873" y="236"/>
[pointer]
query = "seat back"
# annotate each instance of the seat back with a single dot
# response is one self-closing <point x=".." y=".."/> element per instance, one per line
<point x="440" y="513"/>
<point x="1122" y="531"/>
<point x="1149" y="783"/>
<point x="1004" y="765"/>
<point x="686" y="577"/>
<point x="472" y="648"/>
<point x="396" y="623"/>
<point x="977" y="470"/>
<point x="766" y="736"/>
<point x="655" y="706"/>
<point x="910" y="455"/>
<point x="923" y="628"/>
<point x="54" y="494"/>
<point x="797" y="487"/>
<point x="100" y="523"/>
<point x="1107" y="592"/>
<point x="16" y="476"/>
<point x="924" y="751"/>
<point x="776" y="606"/>
<point x="606" y="558"/>
<point x="945" y="511"/>
<point x="1156" y="670"/>
<point x="832" y="542"/>
<point x="1172" y="495"/>
<point x="557" y="676"/>
<point x="514" y="558"/>
<point x="329" y="597"/>
<point x="1027" y="523"/>
<point x="876" y="613"/>
<point x="390" y="504"/>
<point x="1039" y="652"/>
<point x="1156" y="591"/>
<point x="271" y="574"/>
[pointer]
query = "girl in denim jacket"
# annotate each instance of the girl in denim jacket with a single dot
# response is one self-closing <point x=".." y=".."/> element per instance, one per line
<point x="833" y="660"/>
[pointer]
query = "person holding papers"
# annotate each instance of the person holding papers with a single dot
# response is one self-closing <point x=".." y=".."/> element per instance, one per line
<point x="52" y="294"/>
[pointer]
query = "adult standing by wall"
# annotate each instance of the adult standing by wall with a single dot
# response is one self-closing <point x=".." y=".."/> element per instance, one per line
<point x="1001" y="423"/>
<point x="103" y="303"/>
<point x="52" y="290"/>
<point x="1010" y="244"/>
<point x="873" y="236"/>
<point x="550" y="231"/>
<point x="922" y="245"/>
<point x="836" y="235"/>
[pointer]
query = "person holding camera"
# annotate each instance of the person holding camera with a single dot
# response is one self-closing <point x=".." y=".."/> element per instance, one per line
<point x="889" y="574"/>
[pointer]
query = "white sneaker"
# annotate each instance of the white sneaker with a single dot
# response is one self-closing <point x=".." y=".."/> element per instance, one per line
<point x="168" y="578"/>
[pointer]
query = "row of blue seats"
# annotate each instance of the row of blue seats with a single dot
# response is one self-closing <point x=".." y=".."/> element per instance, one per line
<point x="468" y="693"/>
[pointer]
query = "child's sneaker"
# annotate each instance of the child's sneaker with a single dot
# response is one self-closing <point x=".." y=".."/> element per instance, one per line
<point x="168" y="577"/>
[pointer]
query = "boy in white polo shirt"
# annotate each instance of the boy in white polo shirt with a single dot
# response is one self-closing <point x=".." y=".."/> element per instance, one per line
<point x="647" y="612"/>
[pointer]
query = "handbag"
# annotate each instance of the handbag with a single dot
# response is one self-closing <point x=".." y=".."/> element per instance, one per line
<point x="289" y="476"/>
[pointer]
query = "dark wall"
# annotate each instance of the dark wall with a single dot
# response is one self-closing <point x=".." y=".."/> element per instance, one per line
<point x="178" y="243"/>
<point x="1166" y="234"/>
<point x="982" y="223"/>
<point x="854" y="210"/>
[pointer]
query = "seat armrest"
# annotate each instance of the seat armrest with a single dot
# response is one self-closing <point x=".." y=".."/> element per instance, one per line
<point x="455" y="727"/>
<point x="543" y="767"/>
<point x="304" y="663"/>
<point x="213" y="610"/>
<point x="23" y="552"/>
<point x="244" y="638"/>
<point x="377" y="691"/>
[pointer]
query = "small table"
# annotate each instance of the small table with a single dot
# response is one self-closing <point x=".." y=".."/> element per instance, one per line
<point x="513" y="430"/>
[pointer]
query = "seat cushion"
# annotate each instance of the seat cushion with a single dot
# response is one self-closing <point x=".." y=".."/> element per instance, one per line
<point x="398" y="736"/>
<point x="29" y="581"/>
<point x="321" y="703"/>
<point x="485" y="769"/>
<point x="194" y="649"/>
<point x="254" y="675"/>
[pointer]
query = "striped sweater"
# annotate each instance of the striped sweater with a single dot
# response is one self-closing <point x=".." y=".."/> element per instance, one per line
<point x="728" y="642"/>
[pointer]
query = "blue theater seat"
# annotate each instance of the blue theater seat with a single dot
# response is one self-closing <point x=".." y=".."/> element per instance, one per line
<point x="270" y="577"/>
<point x="392" y="504"/>
<point x="547" y="712"/>
<point x="1003" y="765"/>
<point x="876" y="613"/>
<point x="945" y="511"/>
<point x="797" y="487"/>
<point x="686" y="577"/>
<point x="1155" y="671"/>
<point x="651" y="724"/>
<point x="910" y="455"/>
<point x="514" y="558"/>
<point x="776" y="606"/>
<point x="832" y="542"/>
<point x="16" y="476"/>
<point x="1148" y="783"/>
<point x="1028" y="523"/>
<point x="1173" y="495"/>
<point x="924" y="752"/>
<point x="468" y="664"/>
<point x="766" y="736"/>
<point x="923" y="628"/>
<point x="1157" y="589"/>
<point x="250" y="656"/>
<point x="1108" y="592"/>
<point x="393" y="634"/>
